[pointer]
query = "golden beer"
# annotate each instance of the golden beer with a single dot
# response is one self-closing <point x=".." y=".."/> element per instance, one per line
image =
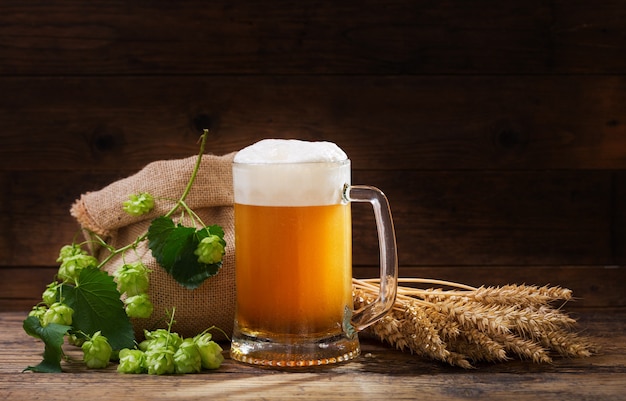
<point x="294" y="269"/>
<point x="293" y="255"/>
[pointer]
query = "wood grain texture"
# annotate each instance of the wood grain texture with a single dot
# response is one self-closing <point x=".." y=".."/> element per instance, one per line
<point x="379" y="372"/>
<point x="441" y="218"/>
<point x="434" y="123"/>
<point x="491" y="218"/>
<point x="322" y="37"/>
<point x="619" y="217"/>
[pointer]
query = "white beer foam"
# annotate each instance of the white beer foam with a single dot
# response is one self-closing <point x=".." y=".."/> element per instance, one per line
<point x="290" y="151"/>
<point x="289" y="172"/>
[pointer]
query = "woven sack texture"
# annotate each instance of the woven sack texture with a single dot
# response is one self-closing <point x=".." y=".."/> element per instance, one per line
<point x="211" y="197"/>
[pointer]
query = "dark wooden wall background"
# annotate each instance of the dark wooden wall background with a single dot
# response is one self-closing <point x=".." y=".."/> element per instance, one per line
<point x="497" y="129"/>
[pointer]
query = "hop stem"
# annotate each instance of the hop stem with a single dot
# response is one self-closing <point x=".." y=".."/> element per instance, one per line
<point x="194" y="173"/>
<point x="179" y="203"/>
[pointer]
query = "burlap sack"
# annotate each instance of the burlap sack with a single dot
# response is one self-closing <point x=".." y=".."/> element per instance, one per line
<point x="211" y="197"/>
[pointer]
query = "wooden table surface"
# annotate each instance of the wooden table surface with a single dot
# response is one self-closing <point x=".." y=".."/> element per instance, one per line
<point x="380" y="372"/>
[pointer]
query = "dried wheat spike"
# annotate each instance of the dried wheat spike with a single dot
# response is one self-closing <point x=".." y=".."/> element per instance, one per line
<point x="470" y="314"/>
<point x="388" y="329"/>
<point x="423" y="339"/>
<point x="478" y="346"/>
<point x="448" y="327"/>
<point x="409" y="327"/>
<point x="530" y="320"/>
<point x="480" y="324"/>
<point x="566" y="344"/>
<point x="520" y="295"/>
<point x="460" y="360"/>
<point x="524" y="348"/>
<point x="420" y="333"/>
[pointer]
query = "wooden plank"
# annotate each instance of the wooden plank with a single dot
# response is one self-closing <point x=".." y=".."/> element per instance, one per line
<point x="36" y="221"/>
<point x="6" y="240"/>
<point x="25" y="283"/>
<point x="22" y="305"/>
<point x="380" y="371"/>
<point x="355" y="37"/>
<point x="316" y="386"/>
<point x="441" y="218"/>
<point x="434" y="122"/>
<point x="578" y="32"/>
<point x="618" y="219"/>
<point x="491" y="218"/>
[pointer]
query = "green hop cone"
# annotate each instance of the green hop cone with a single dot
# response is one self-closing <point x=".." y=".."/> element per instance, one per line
<point x="160" y="361"/>
<point x="139" y="306"/>
<point x="136" y="205"/>
<point x="69" y="251"/>
<point x="187" y="357"/>
<point x="133" y="278"/>
<point x="72" y="266"/>
<point x="210" y="351"/>
<point x="97" y="351"/>
<point x="160" y="338"/>
<point x="38" y="312"/>
<point x="49" y="295"/>
<point x="58" y="313"/>
<point x="131" y="361"/>
<point x="210" y="250"/>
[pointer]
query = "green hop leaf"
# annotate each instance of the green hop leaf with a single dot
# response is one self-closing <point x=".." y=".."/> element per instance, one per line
<point x="97" y="307"/>
<point x="133" y="278"/>
<point x="58" y="313"/>
<point x="173" y="247"/>
<point x="139" y="306"/>
<point x="131" y="361"/>
<point x="210" y="250"/>
<point x="52" y="335"/>
<point x="138" y="204"/>
<point x="210" y="351"/>
<point x="97" y="351"/>
<point x="187" y="357"/>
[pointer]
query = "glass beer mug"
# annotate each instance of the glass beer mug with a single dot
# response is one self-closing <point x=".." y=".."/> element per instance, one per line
<point x="293" y="258"/>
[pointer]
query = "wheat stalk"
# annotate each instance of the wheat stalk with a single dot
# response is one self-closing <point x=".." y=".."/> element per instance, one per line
<point x="463" y="324"/>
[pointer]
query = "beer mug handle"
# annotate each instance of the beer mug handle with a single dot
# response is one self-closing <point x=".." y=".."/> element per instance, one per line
<point x="388" y="254"/>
